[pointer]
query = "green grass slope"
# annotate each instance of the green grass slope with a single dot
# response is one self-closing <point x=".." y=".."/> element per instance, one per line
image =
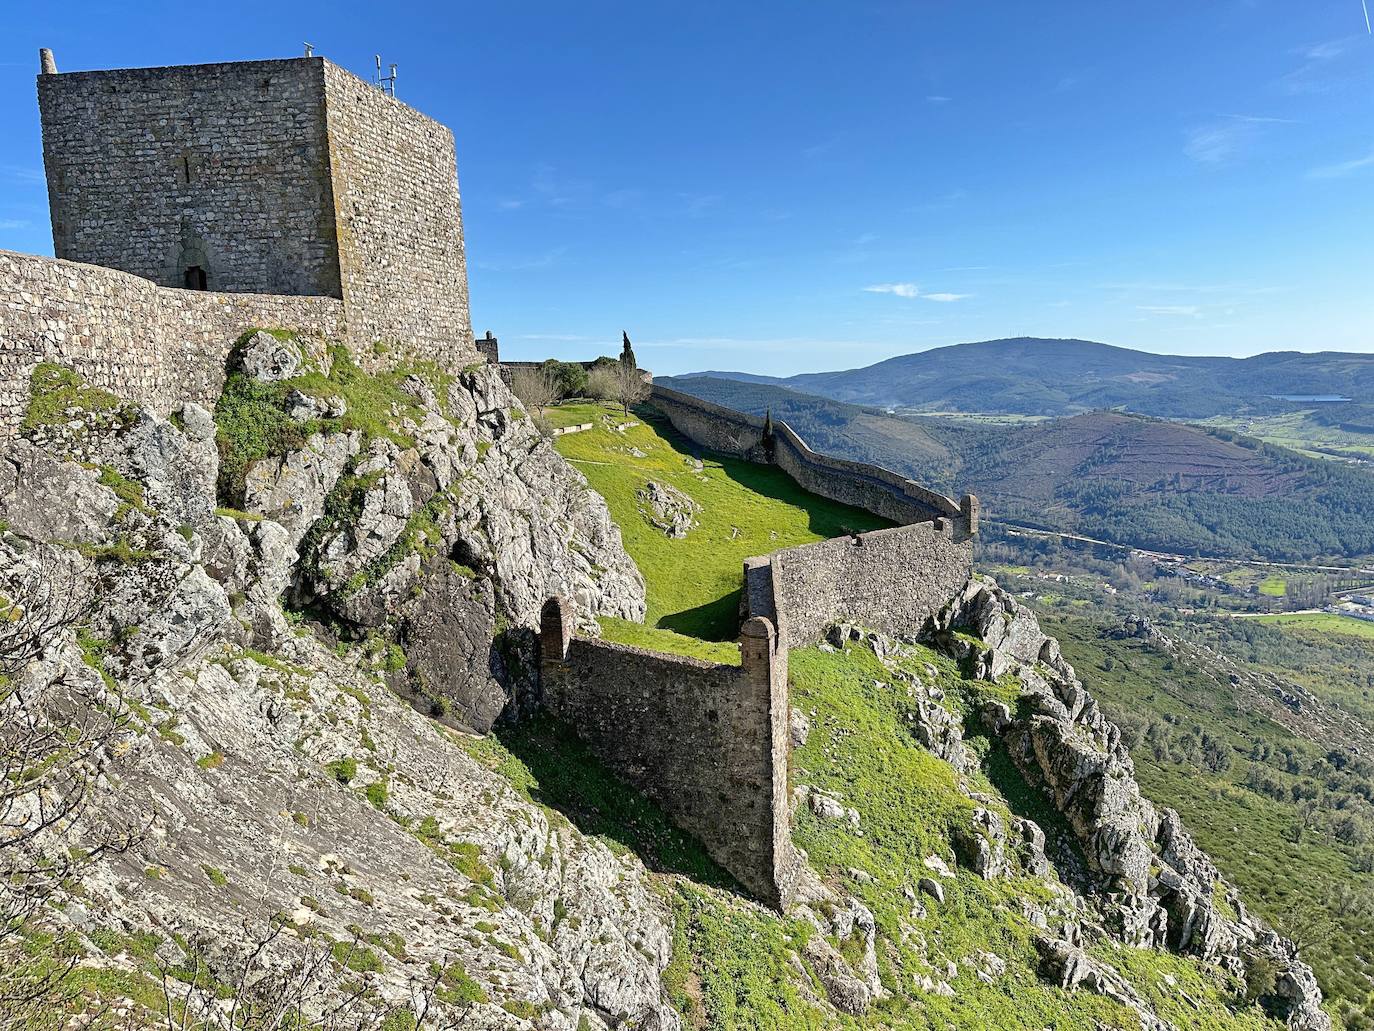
<point x="746" y="510"/>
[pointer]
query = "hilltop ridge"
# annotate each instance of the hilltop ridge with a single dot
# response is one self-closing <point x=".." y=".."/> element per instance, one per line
<point x="1114" y="475"/>
<point x="1040" y="376"/>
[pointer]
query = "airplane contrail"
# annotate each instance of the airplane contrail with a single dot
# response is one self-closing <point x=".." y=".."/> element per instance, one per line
<point x="1367" y="27"/>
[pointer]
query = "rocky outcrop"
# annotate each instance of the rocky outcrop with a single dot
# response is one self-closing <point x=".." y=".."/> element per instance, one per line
<point x="1156" y="887"/>
<point x="463" y="517"/>
<point x="666" y="508"/>
<point x="272" y="773"/>
<point x="837" y="918"/>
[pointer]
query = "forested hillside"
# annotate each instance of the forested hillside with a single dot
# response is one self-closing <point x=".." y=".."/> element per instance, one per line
<point x="1118" y="477"/>
<point x="1251" y="731"/>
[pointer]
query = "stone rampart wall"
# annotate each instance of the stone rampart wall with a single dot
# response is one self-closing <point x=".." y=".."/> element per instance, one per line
<point x="150" y="344"/>
<point x="708" y="742"/>
<point x="869" y="487"/>
<point x="711" y="425"/>
<point x="891" y="580"/>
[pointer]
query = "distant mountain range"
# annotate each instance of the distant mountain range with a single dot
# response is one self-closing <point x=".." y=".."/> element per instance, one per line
<point x="1035" y="376"/>
<point x="1120" y="477"/>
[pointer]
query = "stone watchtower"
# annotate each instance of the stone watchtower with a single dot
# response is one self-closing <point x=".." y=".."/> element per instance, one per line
<point x="263" y="177"/>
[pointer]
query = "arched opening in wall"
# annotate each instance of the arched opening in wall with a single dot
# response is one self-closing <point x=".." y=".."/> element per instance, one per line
<point x="195" y="278"/>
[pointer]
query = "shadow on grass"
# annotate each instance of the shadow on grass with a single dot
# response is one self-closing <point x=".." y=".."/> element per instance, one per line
<point x="716" y="620"/>
<point x="1029" y="803"/>
<point x="826" y="518"/>
<point x="565" y="776"/>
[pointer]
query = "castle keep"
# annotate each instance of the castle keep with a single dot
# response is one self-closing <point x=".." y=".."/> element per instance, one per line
<point x="263" y="177"/>
<point x="192" y="203"/>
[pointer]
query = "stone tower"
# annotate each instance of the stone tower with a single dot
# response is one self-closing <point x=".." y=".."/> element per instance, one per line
<point x="266" y="177"/>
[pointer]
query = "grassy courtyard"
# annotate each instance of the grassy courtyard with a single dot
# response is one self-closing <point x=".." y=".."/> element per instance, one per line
<point x="745" y="510"/>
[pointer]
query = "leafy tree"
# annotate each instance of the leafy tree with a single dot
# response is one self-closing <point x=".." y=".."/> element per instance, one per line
<point x="570" y="377"/>
<point x="1261" y="975"/>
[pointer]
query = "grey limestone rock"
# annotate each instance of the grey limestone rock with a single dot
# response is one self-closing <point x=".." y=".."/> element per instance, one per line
<point x="1155" y="886"/>
<point x="447" y="631"/>
<point x="983" y="846"/>
<point x="268" y="358"/>
<point x="827" y="806"/>
<point x="44" y="497"/>
<point x="291" y="490"/>
<point x="176" y="469"/>
<point x="667" y="508"/>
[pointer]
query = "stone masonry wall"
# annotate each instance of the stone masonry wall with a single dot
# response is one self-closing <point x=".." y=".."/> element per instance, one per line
<point x="221" y="166"/>
<point x="869" y="487"/>
<point x="708" y="742"/>
<point x="400" y="229"/>
<point x="890" y="580"/>
<point x="144" y="342"/>
<point x="711" y="425"/>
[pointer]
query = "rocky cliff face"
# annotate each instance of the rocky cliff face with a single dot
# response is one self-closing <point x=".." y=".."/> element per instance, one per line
<point x="1154" y="886"/>
<point x="278" y="790"/>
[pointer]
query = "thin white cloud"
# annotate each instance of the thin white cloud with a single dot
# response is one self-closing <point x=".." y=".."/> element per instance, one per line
<point x="816" y="150"/>
<point x="911" y="291"/>
<point x="1191" y="311"/>
<point x="1332" y="48"/>
<point x="549" y="257"/>
<point x="21" y="173"/>
<point x="624" y="198"/>
<point x="940" y="203"/>
<point x="510" y="205"/>
<point x="1149" y="286"/>
<point x="785" y="345"/>
<point x="1343" y="168"/>
<point x="699" y="204"/>
<point x="1326" y="66"/>
<point x="1226" y="139"/>
<point x="897" y="289"/>
<point x="14" y="223"/>
<point x="937" y="99"/>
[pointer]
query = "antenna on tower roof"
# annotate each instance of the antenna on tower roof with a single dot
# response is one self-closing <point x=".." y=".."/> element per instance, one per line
<point x="385" y="83"/>
<point x="310" y="50"/>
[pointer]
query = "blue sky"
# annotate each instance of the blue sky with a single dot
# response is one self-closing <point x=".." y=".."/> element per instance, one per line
<point x="794" y="186"/>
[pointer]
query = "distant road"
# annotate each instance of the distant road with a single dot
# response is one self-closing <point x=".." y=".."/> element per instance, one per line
<point x="1035" y="531"/>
